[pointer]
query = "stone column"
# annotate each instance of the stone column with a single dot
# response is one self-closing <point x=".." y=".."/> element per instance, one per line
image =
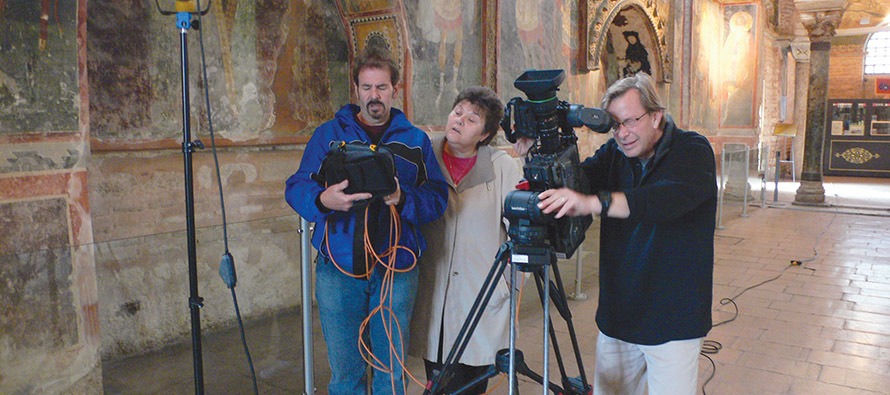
<point x="820" y="18"/>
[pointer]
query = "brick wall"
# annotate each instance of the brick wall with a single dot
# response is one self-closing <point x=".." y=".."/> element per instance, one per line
<point x="845" y="73"/>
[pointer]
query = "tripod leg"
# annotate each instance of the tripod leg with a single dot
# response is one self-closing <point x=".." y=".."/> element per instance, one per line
<point x="475" y="314"/>
<point x="511" y="378"/>
<point x="567" y="316"/>
<point x="489" y="373"/>
<point x="548" y="329"/>
<point x="541" y="284"/>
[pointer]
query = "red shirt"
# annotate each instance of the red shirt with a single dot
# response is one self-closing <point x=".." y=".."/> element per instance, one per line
<point x="457" y="167"/>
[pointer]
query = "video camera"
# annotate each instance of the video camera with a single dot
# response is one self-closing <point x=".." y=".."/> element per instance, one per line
<point x="553" y="161"/>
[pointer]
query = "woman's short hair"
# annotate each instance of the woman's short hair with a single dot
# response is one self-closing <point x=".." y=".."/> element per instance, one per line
<point x="643" y="83"/>
<point x="376" y="57"/>
<point x="491" y="106"/>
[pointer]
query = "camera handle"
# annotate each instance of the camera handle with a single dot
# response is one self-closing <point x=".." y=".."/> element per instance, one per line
<point x="510" y="360"/>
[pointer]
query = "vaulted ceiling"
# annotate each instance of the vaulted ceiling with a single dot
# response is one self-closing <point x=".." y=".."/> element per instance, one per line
<point x="865" y="14"/>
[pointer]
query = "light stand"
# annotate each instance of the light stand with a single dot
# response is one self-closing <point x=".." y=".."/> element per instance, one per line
<point x="184" y="10"/>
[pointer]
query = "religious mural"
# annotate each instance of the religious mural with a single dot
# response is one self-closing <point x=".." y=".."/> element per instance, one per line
<point x="534" y="36"/>
<point x="38" y="69"/>
<point x="738" y="69"/>
<point x="704" y="91"/>
<point x="36" y="258"/>
<point x="270" y="68"/>
<point x="442" y="32"/>
<point x="630" y="47"/>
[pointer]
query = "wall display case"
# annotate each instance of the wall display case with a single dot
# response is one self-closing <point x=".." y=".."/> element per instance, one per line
<point x="857" y="138"/>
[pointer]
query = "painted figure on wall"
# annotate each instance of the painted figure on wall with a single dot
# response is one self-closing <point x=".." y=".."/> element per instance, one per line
<point x="568" y="12"/>
<point x="446" y="29"/>
<point x="705" y="77"/>
<point x="737" y="57"/>
<point x="635" y="56"/>
<point x="629" y="40"/>
<point x="39" y="92"/>
<point x="531" y="32"/>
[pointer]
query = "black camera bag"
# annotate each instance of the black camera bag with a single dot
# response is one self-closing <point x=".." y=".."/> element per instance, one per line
<point x="369" y="168"/>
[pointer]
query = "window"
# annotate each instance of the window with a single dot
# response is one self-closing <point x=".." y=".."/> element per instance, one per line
<point x="877" y="53"/>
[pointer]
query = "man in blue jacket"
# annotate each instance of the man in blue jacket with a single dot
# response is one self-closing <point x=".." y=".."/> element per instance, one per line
<point x="355" y="282"/>
<point x="656" y="192"/>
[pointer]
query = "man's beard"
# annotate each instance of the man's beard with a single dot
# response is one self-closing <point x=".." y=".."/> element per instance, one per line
<point x="376" y="115"/>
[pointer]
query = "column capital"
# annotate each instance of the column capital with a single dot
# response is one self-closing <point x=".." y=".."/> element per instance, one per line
<point x="821" y="17"/>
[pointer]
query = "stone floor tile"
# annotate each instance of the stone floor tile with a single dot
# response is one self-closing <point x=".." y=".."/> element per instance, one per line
<point x="823" y="328"/>
<point x="855" y="379"/>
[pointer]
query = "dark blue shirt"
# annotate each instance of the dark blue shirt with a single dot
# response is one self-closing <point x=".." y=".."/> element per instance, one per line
<point x="656" y="267"/>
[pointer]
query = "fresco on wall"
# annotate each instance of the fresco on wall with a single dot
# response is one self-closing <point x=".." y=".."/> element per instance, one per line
<point x="704" y="92"/>
<point x="738" y="69"/>
<point x="630" y="47"/>
<point x="544" y="36"/>
<point x="35" y="255"/>
<point x="38" y="68"/>
<point x="527" y="41"/>
<point x="581" y="86"/>
<point x="446" y="49"/>
<point x="309" y="68"/>
<point x="276" y="68"/>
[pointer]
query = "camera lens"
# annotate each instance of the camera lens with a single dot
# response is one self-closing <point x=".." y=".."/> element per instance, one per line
<point x="524" y="205"/>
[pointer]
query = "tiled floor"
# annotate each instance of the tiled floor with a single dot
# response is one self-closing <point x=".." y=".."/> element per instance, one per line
<point x="821" y="327"/>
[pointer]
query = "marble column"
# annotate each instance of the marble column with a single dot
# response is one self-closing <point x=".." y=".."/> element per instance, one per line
<point x="820" y="18"/>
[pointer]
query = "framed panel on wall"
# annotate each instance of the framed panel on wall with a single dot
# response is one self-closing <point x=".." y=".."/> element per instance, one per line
<point x="857" y="138"/>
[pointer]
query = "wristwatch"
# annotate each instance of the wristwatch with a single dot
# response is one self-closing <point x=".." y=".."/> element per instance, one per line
<point x="605" y="198"/>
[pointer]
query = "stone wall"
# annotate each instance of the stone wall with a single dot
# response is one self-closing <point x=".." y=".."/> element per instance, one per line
<point x="49" y="323"/>
<point x="270" y="80"/>
<point x="140" y="242"/>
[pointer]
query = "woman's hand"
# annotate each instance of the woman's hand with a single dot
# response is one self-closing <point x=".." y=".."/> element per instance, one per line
<point x="523" y="145"/>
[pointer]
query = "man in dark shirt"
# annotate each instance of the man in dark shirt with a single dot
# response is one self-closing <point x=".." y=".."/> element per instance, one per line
<point x="657" y="195"/>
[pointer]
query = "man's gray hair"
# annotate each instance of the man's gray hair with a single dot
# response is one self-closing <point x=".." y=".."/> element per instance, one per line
<point x="643" y="83"/>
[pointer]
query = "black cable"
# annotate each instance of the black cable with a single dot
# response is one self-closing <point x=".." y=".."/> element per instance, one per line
<point x="227" y="266"/>
<point x="712" y="346"/>
<point x="206" y="84"/>
<point x="725" y="301"/>
<point x="244" y="342"/>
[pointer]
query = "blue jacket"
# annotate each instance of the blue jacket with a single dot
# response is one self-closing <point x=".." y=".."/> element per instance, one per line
<point x="656" y="267"/>
<point x="423" y="187"/>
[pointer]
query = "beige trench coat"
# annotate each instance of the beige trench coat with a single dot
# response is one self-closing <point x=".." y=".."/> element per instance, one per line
<point x="461" y="248"/>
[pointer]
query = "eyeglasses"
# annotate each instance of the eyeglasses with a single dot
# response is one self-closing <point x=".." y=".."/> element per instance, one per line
<point x="628" y="123"/>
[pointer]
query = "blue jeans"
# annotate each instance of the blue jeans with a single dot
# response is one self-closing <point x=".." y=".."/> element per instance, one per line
<point x="343" y="303"/>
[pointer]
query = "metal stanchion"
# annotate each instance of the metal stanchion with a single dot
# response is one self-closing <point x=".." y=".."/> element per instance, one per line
<point x="763" y="168"/>
<point x="776" y="191"/>
<point x="306" y="277"/>
<point x="722" y="189"/>
<point x="578" y="295"/>
<point x="747" y="164"/>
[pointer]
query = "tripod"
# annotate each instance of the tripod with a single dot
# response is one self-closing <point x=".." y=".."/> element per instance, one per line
<point x="536" y="260"/>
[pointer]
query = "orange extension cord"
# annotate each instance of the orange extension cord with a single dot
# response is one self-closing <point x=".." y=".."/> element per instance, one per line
<point x="386" y="295"/>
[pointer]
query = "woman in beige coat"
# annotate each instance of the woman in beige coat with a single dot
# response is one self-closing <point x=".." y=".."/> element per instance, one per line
<point x="463" y="243"/>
